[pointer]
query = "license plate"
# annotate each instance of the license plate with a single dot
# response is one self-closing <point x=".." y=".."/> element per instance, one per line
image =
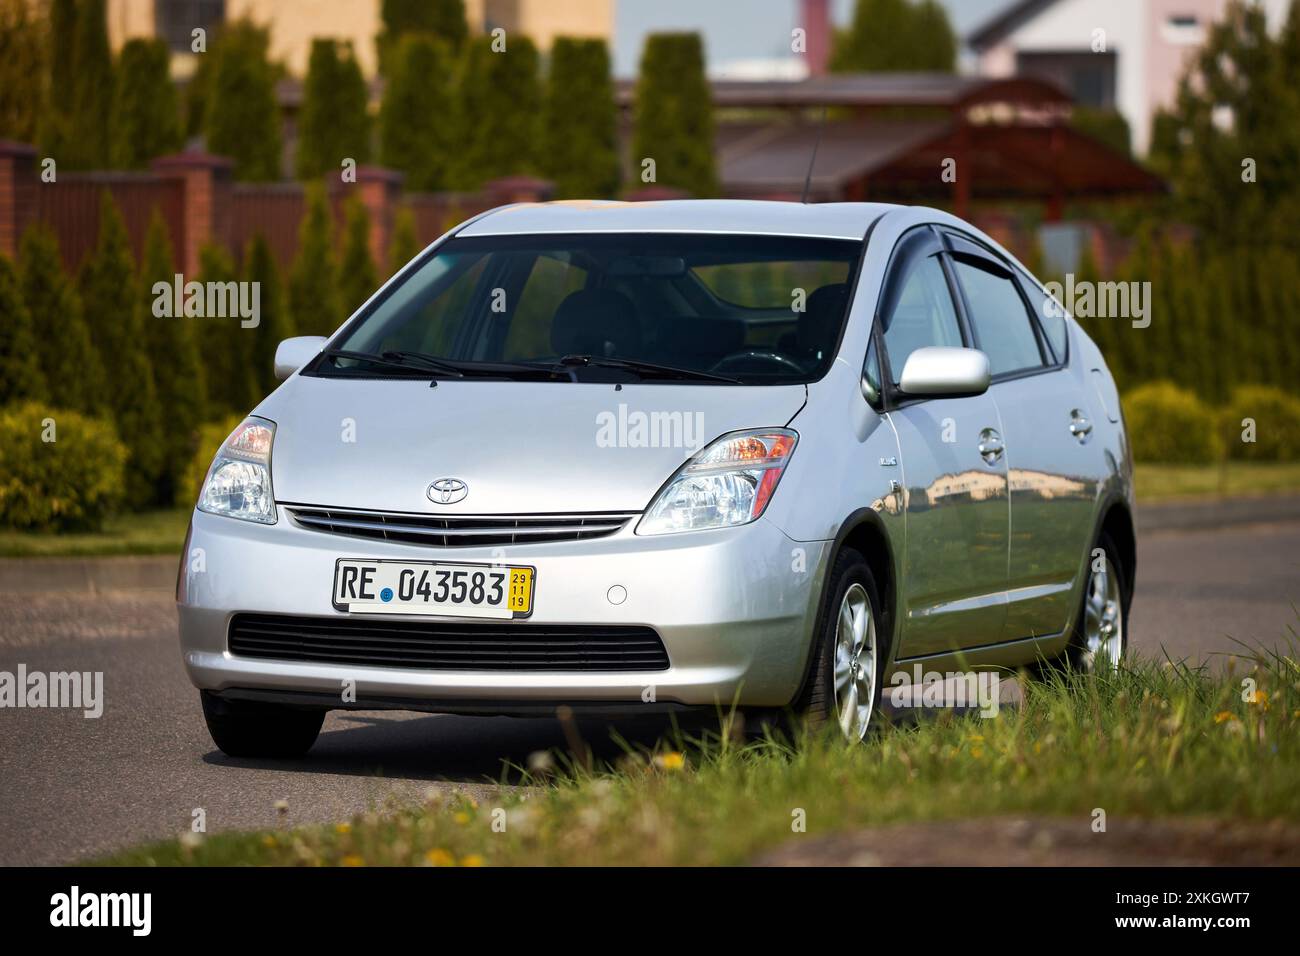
<point x="433" y="587"/>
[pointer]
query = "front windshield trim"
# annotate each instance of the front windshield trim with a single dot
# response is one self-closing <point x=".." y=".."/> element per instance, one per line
<point x="502" y="241"/>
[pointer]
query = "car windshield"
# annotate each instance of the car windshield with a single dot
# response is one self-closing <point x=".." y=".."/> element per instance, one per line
<point x="721" y="309"/>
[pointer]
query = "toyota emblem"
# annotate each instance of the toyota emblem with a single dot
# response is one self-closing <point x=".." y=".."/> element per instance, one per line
<point x="447" y="491"/>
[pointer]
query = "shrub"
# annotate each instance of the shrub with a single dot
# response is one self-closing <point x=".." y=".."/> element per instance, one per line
<point x="1170" y="425"/>
<point x="70" y="483"/>
<point x="1277" y="424"/>
<point x="211" y="435"/>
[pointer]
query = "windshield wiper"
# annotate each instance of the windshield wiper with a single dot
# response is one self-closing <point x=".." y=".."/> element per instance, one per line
<point x="410" y="361"/>
<point x="647" y="368"/>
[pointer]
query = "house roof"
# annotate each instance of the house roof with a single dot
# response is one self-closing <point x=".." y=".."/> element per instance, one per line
<point x="903" y="157"/>
<point x="773" y="158"/>
<point x="999" y="26"/>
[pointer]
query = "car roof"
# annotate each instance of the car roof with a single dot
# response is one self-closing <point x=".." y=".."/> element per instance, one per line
<point x="839" y="220"/>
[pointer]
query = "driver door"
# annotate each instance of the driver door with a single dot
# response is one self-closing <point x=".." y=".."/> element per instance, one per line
<point x="954" y="471"/>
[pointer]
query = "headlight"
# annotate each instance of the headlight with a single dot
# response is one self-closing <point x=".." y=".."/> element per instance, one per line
<point x="729" y="483"/>
<point x="239" y="481"/>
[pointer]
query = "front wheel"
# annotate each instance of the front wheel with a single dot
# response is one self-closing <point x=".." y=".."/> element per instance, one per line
<point x="847" y="670"/>
<point x="244" y="728"/>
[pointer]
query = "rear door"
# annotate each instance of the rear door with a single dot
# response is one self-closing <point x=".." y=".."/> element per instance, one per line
<point x="953" y="468"/>
<point x="1047" y="424"/>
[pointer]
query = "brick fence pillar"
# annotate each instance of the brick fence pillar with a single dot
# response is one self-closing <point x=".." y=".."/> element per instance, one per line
<point x="207" y="183"/>
<point x="380" y="190"/>
<point x="18" y="185"/>
<point x="513" y="189"/>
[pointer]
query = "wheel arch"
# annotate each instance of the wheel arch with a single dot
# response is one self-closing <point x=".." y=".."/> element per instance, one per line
<point x="1117" y="523"/>
<point x="865" y="532"/>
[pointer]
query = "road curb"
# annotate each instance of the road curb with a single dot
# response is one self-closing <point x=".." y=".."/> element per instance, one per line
<point x="1206" y="514"/>
<point x="88" y="575"/>
<point x="158" y="572"/>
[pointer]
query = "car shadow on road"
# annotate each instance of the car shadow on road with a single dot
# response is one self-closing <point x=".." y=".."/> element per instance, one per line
<point x="453" y="748"/>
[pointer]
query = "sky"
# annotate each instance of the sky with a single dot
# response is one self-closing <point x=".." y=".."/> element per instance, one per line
<point x="745" y="29"/>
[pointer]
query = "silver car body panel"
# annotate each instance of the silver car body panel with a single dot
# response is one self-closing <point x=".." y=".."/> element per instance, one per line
<point x="735" y="608"/>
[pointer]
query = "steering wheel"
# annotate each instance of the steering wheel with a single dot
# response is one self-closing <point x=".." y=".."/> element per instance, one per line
<point x="754" y="360"/>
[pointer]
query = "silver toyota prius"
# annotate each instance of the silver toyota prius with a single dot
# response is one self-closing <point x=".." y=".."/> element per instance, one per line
<point x="635" y="457"/>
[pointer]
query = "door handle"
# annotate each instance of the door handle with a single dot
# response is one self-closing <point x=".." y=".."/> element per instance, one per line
<point x="990" y="446"/>
<point x="1080" y="427"/>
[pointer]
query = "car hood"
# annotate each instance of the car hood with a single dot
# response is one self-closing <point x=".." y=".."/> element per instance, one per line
<point x="520" y="447"/>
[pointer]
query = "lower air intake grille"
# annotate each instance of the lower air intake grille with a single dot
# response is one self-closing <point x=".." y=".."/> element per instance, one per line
<point x="437" y="645"/>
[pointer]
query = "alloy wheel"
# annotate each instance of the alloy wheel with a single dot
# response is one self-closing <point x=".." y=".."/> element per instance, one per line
<point x="855" y="663"/>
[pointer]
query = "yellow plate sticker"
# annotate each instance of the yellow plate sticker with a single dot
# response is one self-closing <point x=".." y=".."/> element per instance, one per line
<point x="521" y="589"/>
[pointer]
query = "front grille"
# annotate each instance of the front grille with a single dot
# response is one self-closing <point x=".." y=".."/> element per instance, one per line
<point x="437" y="645"/>
<point x="461" y="531"/>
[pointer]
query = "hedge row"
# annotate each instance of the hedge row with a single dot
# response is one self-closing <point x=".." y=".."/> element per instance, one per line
<point x="1171" y="425"/>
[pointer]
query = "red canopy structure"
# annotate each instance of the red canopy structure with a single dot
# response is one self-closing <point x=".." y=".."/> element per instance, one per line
<point x="895" y="135"/>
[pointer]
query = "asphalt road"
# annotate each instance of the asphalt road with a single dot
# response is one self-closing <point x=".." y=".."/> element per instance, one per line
<point x="72" y="788"/>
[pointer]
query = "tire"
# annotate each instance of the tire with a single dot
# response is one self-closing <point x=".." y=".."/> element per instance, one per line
<point x="243" y="728"/>
<point x="849" y="575"/>
<point x="1082" y="655"/>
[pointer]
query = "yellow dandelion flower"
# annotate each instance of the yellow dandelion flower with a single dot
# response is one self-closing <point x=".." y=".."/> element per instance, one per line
<point x="461" y="817"/>
<point x="439" y="857"/>
<point x="671" y="761"/>
<point x="1261" y="699"/>
<point x="342" y="828"/>
<point x="352" y="860"/>
<point x="268" y="840"/>
<point x="1223" y="715"/>
<point x="472" y="860"/>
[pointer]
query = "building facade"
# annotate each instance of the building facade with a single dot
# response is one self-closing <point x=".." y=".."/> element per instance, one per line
<point x="295" y="23"/>
<point x="1125" y="55"/>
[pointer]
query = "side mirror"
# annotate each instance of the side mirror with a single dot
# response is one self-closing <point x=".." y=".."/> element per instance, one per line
<point x="292" y="354"/>
<point x="941" y="370"/>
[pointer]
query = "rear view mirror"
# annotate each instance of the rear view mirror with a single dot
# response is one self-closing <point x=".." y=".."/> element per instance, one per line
<point x="945" y="371"/>
<point x="292" y="354"/>
<point x="658" y="267"/>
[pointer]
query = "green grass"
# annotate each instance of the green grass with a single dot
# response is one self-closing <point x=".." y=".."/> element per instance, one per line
<point x="149" y="532"/>
<point x="1154" y="741"/>
<point x="1234" y="479"/>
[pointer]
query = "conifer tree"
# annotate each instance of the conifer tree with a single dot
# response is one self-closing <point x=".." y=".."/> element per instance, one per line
<point x="146" y="116"/>
<point x="110" y="299"/>
<point x="443" y="19"/>
<point x="226" y="345"/>
<point x="91" y="121"/>
<point x="21" y="378"/>
<point x="418" y="118"/>
<point x="334" y="124"/>
<point x="500" y="106"/>
<point x="276" y="324"/>
<point x="405" y="244"/>
<point x="313" y="282"/>
<point x="241" y="116"/>
<point x="357" y="274"/>
<point x="171" y="339"/>
<point x="579" y="122"/>
<point x="674" y="116"/>
<point x="73" y="370"/>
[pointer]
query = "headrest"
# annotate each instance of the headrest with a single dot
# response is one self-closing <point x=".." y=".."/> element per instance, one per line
<point x="824" y="310"/>
<point x="596" y="322"/>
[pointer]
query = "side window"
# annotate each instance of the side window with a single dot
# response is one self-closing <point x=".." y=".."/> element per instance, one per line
<point x="999" y="318"/>
<point x="921" y="312"/>
<point x="1051" y="318"/>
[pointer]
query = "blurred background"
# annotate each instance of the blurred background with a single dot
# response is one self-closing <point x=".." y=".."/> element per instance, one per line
<point x="315" y="146"/>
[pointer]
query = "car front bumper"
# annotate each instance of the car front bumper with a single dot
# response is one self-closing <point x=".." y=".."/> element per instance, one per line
<point x="733" y="607"/>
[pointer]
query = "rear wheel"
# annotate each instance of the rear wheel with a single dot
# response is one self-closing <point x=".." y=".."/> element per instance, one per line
<point x="1100" y="636"/>
<point x="244" y="728"/>
<point x="846" y="677"/>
